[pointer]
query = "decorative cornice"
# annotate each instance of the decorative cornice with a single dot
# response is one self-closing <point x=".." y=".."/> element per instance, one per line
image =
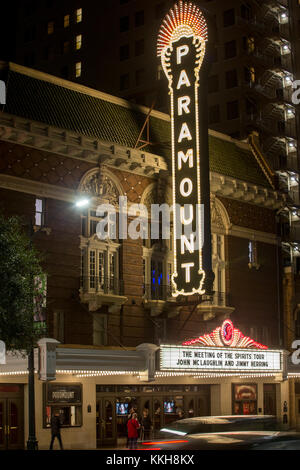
<point x="40" y="136"/>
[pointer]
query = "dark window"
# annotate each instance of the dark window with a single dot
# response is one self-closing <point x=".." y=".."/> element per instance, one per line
<point x="124" y="24"/>
<point x="232" y="110"/>
<point x="251" y="107"/>
<point x="139" y="77"/>
<point x="160" y="10"/>
<point x="231" y="78"/>
<point x="213" y="56"/>
<point x="64" y="71"/>
<point x="124" y="81"/>
<point x="228" y="17"/>
<point x="230" y="49"/>
<point x="213" y="84"/>
<point x="30" y="34"/>
<point x="139" y="18"/>
<point x="139" y="47"/>
<point x="246" y="12"/>
<point x="29" y="59"/>
<point x="214" y="114"/>
<point x="65" y="47"/>
<point x="124" y="52"/>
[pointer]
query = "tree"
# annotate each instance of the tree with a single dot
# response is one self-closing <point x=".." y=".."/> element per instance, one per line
<point x="19" y="267"/>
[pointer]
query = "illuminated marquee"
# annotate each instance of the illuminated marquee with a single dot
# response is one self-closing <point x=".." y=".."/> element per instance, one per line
<point x="181" y="46"/>
<point x="226" y="335"/>
<point x="213" y="359"/>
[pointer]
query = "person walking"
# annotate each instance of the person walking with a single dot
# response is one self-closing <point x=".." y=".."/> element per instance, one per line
<point x="55" y="430"/>
<point x="146" y="424"/>
<point x="132" y="427"/>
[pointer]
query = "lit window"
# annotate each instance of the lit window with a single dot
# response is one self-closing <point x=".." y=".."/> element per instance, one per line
<point x="78" y="15"/>
<point x="50" y="27"/>
<point x="39" y="212"/>
<point x="78" y="69"/>
<point x="252" y="255"/>
<point x="78" y="41"/>
<point x="66" y="21"/>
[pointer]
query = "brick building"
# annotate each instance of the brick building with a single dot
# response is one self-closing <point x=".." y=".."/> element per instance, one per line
<point x="61" y="141"/>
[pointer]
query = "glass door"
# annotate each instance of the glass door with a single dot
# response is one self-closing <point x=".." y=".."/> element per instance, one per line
<point x="15" y="423"/>
<point x="3" y="439"/>
<point x="105" y="422"/>
<point x="11" y="424"/>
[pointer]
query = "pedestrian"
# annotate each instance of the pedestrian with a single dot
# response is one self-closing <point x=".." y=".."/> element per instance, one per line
<point x="132" y="427"/>
<point x="146" y="424"/>
<point x="55" y="430"/>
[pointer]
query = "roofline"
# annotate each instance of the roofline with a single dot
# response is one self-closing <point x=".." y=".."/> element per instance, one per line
<point x="111" y="99"/>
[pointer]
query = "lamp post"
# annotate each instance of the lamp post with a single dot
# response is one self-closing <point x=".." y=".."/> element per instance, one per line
<point x="32" y="443"/>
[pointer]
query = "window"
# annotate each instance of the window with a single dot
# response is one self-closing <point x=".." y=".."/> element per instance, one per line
<point x="139" y="47"/>
<point x="213" y="84"/>
<point x="59" y="326"/>
<point x="160" y="9"/>
<point x="78" y="42"/>
<point x="139" y="77"/>
<point x="230" y="49"/>
<point x="99" y="260"/>
<point x="218" y="262"/>
<point x="233" y="110"/>
<point x="124" y="81"/>
<point x="124" y="24"/>
<point x="214" y="114"/>
<point x="40" y="212"/>
<point x="78" y="69"/>
<point x="139" y="18"/>
<point x="78" y="15"/>
<point x="250" y="45"/>
<point x="64" y="72"/>
<point x="66" y="21"/>
<point x="124" y="52"/>
<point x="231" y="79"/>
<point x="228" y="17"/>
<point x="252" y="254"/>
<point x="66" y="47"/>
<point x="50" y="27"/>
<point x="297" y="326"/>
<point x="250" y="75"/>
<point x="30" y="34"/>
<point x="246" y="11"/>
<point x="251" y="107"/>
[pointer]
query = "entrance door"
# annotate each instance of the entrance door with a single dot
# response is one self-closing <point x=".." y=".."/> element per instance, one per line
<point x="105" y="422"/>
<point x="11" y="424"/>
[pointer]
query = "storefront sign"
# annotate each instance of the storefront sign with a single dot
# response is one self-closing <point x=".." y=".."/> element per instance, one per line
<point x="181" y="47"/>
<point x="60" y="393"/>
<point x="219" y="359"/>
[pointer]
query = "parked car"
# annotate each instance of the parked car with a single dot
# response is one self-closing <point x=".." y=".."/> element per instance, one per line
<point x="244" y="440"/>
<point x="214" y="424"/>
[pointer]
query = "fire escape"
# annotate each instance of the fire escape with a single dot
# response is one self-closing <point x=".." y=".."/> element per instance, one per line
<point x="270" y="111"/>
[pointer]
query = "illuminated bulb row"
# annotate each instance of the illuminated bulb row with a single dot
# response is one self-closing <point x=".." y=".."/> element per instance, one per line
<point x="17" y="372"/>
<point x="184" y="15"/>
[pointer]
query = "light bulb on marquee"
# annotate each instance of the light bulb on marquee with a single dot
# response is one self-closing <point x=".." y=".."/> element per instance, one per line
<point x="181" y="46"/>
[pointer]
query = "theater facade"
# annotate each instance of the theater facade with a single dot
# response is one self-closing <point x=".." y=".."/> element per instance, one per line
<point x="123" y="338"/>
<point x="221" y="373"/>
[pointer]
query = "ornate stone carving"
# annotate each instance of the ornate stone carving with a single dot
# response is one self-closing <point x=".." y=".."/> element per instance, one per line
<point x="98" y="184"/>
<point x="216" y="217"/>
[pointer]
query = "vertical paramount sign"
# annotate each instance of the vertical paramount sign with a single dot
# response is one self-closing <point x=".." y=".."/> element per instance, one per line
<point x="181" y="46"/>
